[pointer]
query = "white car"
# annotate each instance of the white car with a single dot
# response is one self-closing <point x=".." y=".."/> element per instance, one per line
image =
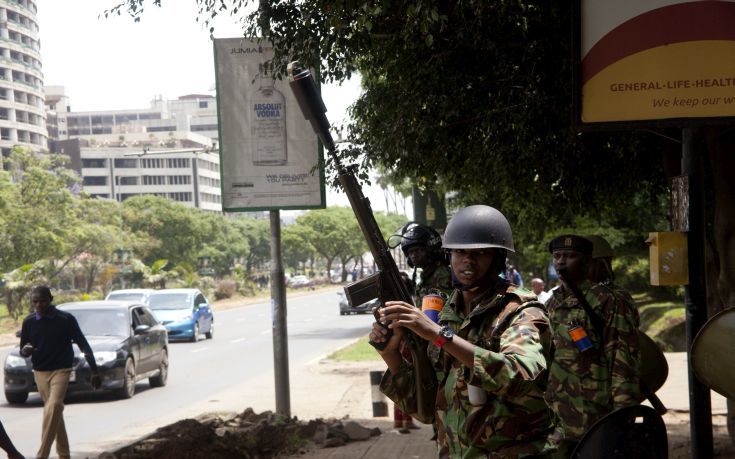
<point x="299" y="281"/>
<point x="131" y="294"/>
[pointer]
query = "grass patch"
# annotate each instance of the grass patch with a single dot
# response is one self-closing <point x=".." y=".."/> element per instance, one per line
<point x="664" y="322"/>
<point x="359" y="351"/>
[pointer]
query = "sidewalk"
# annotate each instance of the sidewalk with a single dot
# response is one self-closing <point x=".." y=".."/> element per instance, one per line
<point x="349" y="393"/>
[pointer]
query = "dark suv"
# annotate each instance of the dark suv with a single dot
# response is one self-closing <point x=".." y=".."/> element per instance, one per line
<point x="129" y="344"/>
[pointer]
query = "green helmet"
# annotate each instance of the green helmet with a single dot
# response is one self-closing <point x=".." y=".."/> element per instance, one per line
<point x="478" y="227"/>
<point x="600" y="247"/>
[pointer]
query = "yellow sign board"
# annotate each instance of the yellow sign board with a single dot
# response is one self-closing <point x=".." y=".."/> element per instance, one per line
<point x="653" y="59"/>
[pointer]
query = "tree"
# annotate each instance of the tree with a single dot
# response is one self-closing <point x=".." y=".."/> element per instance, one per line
<point x="297" y="249"/>
<point x="257" y="232"/>
<point x="38" y="204"/>
<point x="225" y="244"/>
<point x="334" y="234"/>
<point x="170" y="230"/>
<point x="480" y="103"/>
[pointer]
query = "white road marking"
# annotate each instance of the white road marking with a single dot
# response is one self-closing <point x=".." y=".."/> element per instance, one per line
<point x="237" y="340"/>
<point x="266" y="332"/>
<point x="201" y="349"/>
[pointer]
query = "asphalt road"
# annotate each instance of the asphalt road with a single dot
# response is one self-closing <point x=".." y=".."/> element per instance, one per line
<point x="228" y="373"/>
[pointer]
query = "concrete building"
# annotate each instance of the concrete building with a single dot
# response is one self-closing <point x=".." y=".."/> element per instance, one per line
<point x="195" y="113"/>
<point x="166" y="150"/>
<point x="185" y="169"/>
<point x="22" y="111"/>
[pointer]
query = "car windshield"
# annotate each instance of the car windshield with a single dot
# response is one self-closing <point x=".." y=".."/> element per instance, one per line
<point x="126" y="296"/>
<point x="102" y="322"/>
<point x="170" y="301"/>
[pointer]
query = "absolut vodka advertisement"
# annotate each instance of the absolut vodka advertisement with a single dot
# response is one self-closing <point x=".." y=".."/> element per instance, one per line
<point x="268" y="151"/>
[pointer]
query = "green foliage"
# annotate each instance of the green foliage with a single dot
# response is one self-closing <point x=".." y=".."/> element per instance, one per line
<point x="664" y="322"/>
<point x="334" y="234"/>
<point x="632" y="273"/>
<point x="472" y="97"/>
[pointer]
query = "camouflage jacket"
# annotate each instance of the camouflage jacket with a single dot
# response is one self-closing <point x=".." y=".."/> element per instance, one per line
<point x="438" y="277"/>
<point x="584" y="386"/>
<point x="514" y="420"/>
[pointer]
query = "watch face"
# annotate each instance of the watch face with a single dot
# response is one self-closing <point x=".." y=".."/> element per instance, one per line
<point x="447" y="333"/>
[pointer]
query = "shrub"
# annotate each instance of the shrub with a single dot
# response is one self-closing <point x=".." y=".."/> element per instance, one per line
<point x="248" y="288"/>
<point x="225" y="289"/>
<point x="632" y="273"/>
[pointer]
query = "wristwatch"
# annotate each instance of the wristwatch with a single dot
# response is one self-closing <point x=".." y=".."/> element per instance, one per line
<point x="446" y="334"/>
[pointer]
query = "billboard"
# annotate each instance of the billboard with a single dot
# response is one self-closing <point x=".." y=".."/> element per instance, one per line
<point x="656" y="60"/>
<point x="269" y="154"/>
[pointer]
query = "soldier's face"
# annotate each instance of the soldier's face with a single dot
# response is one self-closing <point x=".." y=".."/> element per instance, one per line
<point x="471" y="265"/>
<point x="417" y="254"/>
<point x="574" y="264"/>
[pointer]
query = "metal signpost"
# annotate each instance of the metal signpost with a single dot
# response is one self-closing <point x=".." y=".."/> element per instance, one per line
<point x="268" y="158"/>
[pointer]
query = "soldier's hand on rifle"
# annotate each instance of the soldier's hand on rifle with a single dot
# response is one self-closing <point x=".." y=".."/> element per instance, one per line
<point x="379" y="334"/>
<point x="401" y="315"/>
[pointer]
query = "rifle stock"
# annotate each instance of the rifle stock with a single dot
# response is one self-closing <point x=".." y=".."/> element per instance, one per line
<point x="386" y="284"/>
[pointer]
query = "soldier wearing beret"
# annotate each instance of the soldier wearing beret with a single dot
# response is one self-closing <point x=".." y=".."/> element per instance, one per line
<point x="595" y="368"/>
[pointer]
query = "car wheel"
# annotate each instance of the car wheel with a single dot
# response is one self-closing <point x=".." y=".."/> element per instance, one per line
<point x="210" y="333"/>
<point x="342" y="313"/>
<point x="162" y="377"/>
<point x="195" y="337"/>
<point x="128" y="388"/>
<point x="16" y="397"/>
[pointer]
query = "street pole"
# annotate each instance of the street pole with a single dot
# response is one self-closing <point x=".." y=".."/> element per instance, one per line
<point x="695" y="294"/>
<point x="278" y="315"/>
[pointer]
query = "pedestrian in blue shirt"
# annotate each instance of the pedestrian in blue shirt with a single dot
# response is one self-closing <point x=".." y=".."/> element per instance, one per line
<point x="47" y="336"/>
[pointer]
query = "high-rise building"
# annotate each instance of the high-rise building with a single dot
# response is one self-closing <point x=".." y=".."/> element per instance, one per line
<point x="22" y="111"/>
<point x="167" y="150"/>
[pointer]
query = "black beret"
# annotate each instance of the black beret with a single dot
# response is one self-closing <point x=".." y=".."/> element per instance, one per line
<point x="571" y="242"/>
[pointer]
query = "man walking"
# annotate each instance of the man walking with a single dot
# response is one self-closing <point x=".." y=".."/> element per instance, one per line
<point x="47" y="336"/>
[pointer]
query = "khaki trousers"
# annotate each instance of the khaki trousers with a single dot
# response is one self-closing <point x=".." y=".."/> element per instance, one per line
<point x="52" y="387"/>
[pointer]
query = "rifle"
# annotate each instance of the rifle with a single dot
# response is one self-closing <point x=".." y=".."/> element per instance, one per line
<point x="386" y="284"/>
<point x="598" y="325"/>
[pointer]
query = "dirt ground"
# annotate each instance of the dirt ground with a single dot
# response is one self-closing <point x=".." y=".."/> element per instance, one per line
<point x="677" y="426"/>
<point x="265" y="435"/>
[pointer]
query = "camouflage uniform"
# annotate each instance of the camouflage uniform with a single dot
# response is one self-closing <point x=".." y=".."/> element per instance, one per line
<point x="584" y="386"/>
<point x="514" y="421"/>
<point x="433" y="278"/>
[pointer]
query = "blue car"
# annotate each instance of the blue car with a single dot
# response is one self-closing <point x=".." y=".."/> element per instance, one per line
<point x="185" y="313"/>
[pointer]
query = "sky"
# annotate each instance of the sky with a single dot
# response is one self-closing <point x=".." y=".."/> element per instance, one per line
<point x="115" y="63"/>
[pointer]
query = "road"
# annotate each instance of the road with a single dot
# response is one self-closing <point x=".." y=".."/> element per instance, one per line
<point x="228" y="373"/>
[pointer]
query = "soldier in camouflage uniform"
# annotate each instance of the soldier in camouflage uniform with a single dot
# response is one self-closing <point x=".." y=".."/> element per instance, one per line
<point x="422" y="247"/>
<point x="489" y="349"/>
<point x="593" y="371"/>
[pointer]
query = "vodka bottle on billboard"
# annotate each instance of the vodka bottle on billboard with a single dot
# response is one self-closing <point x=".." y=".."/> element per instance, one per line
<point x="268" y="122"/>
